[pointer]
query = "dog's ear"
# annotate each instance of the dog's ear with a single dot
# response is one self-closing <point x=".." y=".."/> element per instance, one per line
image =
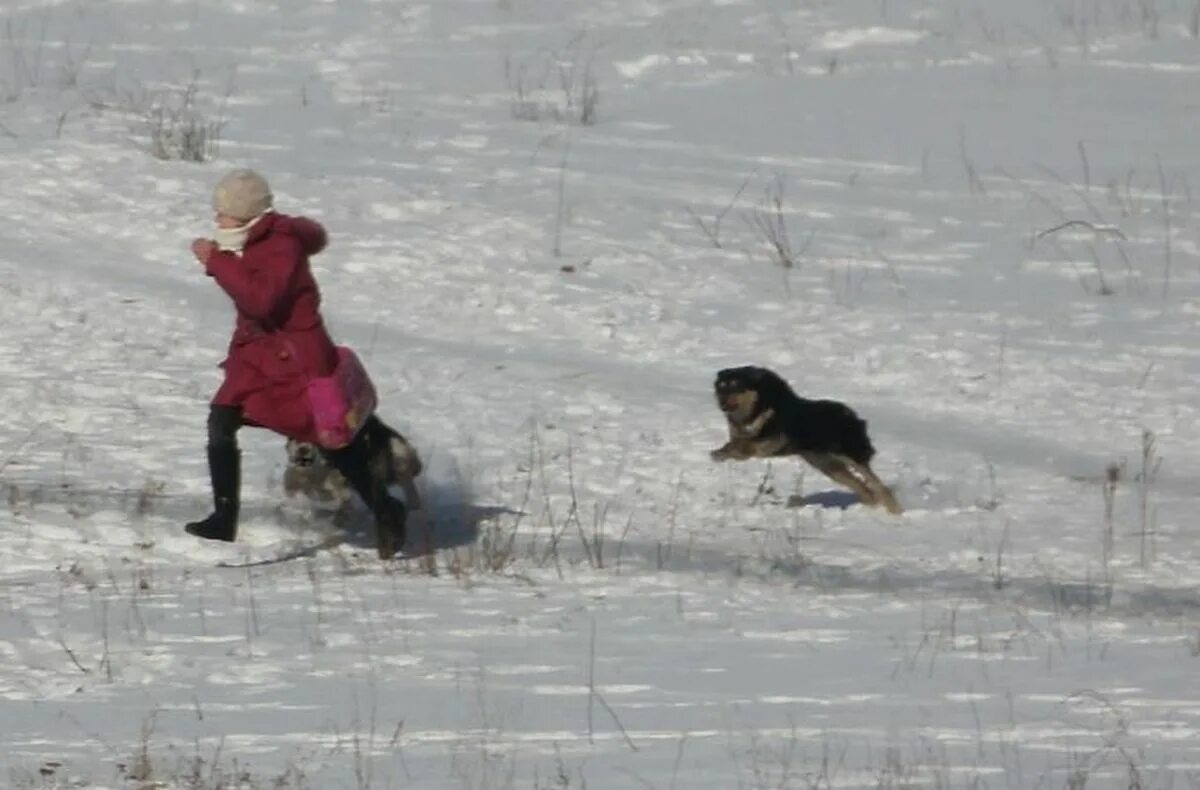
<point x="740" y="377"/>
<point x="755" y="375"/>
<point x="770" y="385"/>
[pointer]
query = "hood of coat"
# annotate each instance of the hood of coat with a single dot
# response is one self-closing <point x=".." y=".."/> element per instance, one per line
<point x="308" y="232"/>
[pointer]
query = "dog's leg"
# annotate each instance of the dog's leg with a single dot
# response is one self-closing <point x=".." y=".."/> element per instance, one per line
<point x="736" y="449"/>
<point x="295" y="481"/>
<point x="411" y="496"/>
<point x="406" y="464"/>
<point x="887" y="498"/>
<point x="420" y="531"/>
<point x="755" y="426"/>
<point x="835" y="468"/>
<point x="883" y="495"/>
<point x="403" y="467"/>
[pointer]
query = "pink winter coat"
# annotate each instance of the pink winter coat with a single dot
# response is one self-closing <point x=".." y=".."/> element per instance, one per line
<point x="279" y="342"/>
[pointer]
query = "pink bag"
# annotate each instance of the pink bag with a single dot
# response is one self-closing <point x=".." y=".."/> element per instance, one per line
<point x="341" y="402"/>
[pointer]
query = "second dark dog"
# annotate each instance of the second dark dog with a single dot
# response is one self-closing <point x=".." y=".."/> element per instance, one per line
<point x="766" y="419"/>
<point x="393" y="461"/>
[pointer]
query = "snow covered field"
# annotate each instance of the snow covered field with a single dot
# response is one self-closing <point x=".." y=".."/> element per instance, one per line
<point x="547" y="223"/>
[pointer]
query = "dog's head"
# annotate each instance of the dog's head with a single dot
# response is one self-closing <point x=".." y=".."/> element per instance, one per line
<point x="308" y="474"/>
<point x="737" y="392"/>
<point x="742" y="393"/>
<point x="301" y="454"/>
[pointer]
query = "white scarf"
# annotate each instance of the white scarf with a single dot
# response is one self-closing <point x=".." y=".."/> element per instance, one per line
<point x="234" y="239"/>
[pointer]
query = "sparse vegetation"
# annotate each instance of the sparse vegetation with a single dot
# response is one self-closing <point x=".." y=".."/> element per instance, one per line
<point x="712" y="228"/>
<point x="559" y="86"/>
<point x="1108" y="488"/>
<point x="769" y="220"/>
<point x="174" y="123"/>
<point x="35" y="54"/>
<point x="177" y="126"/>
<point x="1147" y="475"/>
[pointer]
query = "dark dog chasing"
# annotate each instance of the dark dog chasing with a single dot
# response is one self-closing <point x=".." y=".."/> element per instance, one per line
<point x="392" y="459"/>
<point x="768" y="419"/>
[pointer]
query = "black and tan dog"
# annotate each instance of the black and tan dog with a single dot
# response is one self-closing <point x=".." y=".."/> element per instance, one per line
<point x="393" y="460"/>
<point x="766" y="419"/>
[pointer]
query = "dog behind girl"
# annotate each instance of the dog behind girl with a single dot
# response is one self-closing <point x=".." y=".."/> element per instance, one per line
<point x="259" y="257"/>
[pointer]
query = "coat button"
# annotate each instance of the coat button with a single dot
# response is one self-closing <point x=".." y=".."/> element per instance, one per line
<point x="284" y="355"/>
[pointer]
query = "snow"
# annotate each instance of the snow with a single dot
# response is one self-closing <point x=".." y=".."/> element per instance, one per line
<point x="606" y="606"/>
<point x="851" y="37"/>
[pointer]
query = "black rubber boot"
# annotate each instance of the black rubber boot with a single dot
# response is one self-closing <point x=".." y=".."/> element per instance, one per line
<point x="225" y="469"/>
<point x="354" y="463"/>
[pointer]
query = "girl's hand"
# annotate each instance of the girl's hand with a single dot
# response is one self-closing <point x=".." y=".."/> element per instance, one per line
<point x="203" y="248"/>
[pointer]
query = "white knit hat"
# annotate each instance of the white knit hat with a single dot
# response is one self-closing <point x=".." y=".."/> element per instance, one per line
<point x="242" y="194"/>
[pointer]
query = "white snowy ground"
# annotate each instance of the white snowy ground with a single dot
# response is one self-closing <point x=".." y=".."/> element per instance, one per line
<point x="543" y="304"/>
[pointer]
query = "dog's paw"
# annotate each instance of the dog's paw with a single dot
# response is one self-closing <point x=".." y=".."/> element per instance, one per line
<point x="720" y="454"/>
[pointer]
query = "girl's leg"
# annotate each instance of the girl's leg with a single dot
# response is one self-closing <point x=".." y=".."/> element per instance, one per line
<point x="225" y="471"/>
